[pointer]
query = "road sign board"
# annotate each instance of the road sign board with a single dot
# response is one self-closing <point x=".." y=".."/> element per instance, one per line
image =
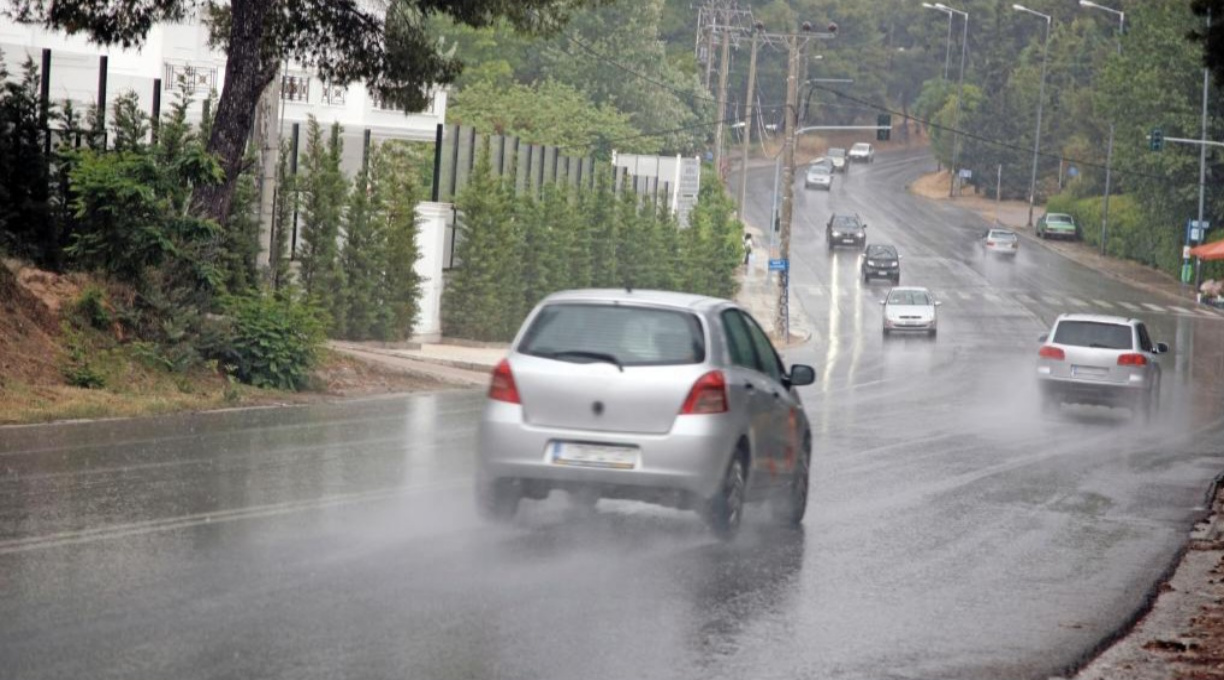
<point x="966" y="173"/>
<point x="1072" y="171"/>
<point x="779" y="265"/>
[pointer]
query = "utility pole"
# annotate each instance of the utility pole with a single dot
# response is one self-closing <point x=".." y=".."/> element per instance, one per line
<point x="747" y="142"/>
<point x="1198" y="262"/>
<point x="781" y="318"/>
<point x="723" y="67"/>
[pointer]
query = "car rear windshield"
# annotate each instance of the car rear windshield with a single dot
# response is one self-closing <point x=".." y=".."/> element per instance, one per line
<point x="861" y="147"/>
<point x="820" y="169"/>
<point x="1093" y="334"/>
<point x="908" y="297"/>
<point x="845" y="222"/>
<point x="1002" y="236"/>
<point x="1066" y="219"/>
<point x="884" y="252"/>
<point x="624" y="334"/>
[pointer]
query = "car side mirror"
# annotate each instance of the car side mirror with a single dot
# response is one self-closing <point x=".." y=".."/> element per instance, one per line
<point x="802" y="374"/>
<point x="1162" y="348"/>
<point x="1043" y="337"/>
<point x="883" y="302"/>
<point x="938" y="303"/>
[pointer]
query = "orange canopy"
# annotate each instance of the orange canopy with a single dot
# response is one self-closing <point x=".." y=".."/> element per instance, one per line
<point x="1209" y="251"/>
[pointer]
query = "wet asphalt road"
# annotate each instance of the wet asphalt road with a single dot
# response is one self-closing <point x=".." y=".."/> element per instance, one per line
<point x="953" y="532"/>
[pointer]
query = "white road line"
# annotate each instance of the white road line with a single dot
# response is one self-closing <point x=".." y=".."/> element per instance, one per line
<point x="1102" y="303"/>
<point x="964" y="295"/>
<point x="1076" y="302"/>
<point x="1024" y="299"/>
<point x="992" y="297"/>
<point x="1181" y="310"/>
<point x="1129" y="306"/>
<point x="1154" y="308"/>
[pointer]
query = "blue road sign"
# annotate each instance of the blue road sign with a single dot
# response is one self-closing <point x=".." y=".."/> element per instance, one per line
<point x="779" y="265"/>
<point x="1072" y="171"/>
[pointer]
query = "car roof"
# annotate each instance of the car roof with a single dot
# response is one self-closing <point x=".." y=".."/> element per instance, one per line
<point x="661" y="298"/>
<point x="867" y="144"/>
<point x="1002" y="231"/>
<point x="909" y="289"/>
<point x="882" y="246"/>
<point x="1049" y="215"/>
<point x="1098" y="318"/>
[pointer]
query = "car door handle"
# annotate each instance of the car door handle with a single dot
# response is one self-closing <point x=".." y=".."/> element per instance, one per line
<point x="749" y="386"/>
<point x="777" y="395"/>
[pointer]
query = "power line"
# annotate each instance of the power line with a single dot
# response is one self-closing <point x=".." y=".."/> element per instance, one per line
<point x="993" y="142"/>
<point x="601" y="57"/>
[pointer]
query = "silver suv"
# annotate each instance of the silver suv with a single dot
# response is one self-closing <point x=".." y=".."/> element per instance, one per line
<point x="674" y="399"/>
<point x="1102" y="360"/>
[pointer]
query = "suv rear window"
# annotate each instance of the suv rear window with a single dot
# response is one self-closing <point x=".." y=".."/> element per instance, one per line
<point x="634" y="336"/>
<point x="1003" y="235"/>
<point x="1093" y="334"/>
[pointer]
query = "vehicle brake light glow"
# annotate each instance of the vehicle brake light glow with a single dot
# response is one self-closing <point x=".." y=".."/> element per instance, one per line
<point x="502" y="388"/>
<point x="990" y="243"/>
<point x="1050" y="352"/>
<point x="708" y="395"/>
<point x="1132" y="360"/>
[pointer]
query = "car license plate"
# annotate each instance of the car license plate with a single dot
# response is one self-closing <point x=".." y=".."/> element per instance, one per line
<point x="1089" y="371"/>
<point x="593" y="455"/>
<point x="847" y="240"/>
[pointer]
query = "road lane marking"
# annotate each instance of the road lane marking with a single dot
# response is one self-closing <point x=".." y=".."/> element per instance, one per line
<point x="1024" y="299"/>
<point x="1102" y="303"/>
<point x="1181" y="310"/>
<point x="1129" y="306"/>
<point x="1076" y="302"/>
<point x="105" y="533"/>
<point x="992" y="297"/>
<point x="1154" y="308"/>
<point x="964" y="295"/>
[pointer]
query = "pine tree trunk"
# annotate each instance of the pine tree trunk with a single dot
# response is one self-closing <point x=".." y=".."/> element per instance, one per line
<point x="248" y="70"/>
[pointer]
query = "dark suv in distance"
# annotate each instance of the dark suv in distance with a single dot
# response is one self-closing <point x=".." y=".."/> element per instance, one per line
<point x="846" y="230"/>
<point x="882" y="262"/>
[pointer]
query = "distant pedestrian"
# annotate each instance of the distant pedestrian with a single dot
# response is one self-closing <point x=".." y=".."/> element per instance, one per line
<point x="747" y="249"/>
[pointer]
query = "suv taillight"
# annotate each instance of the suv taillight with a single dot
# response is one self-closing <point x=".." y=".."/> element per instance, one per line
<point x="709" y="395"/>
<point x="1132" y="360"/>
<point x="1050" y="352"/>
<point x="502" y="388"/>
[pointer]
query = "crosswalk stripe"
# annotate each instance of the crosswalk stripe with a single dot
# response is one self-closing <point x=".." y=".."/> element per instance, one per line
<point x="992" y="297"/>
<point x="964" y="295"/>
<point x="1181" y="310"/>
<point x="1021" y="297"/>
<point x="1154" y="308"/>
<point x="1076" y="301"/>
<point x="1129" y="306"/>
<point x="1102" y="303"/>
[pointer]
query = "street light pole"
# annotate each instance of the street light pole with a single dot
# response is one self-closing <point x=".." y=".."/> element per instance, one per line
<point x="1045" y="53"/>
<point x="1108" y="149"/>
<point x="781" y="318"/>
<point x="960" y="91"/>
<point x="948" y="47"/>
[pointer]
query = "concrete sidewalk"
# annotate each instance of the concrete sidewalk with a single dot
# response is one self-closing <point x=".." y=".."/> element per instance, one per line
<point x="758" y="293"/>
<point x="452" y="363"/>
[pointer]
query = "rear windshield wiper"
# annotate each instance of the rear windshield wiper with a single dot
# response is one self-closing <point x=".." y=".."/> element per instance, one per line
<point x="597" y="356"/>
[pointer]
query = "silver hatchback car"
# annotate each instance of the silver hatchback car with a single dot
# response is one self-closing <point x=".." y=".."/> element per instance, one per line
<point x="674" y="399"/>
<point x="1101" y="360"/>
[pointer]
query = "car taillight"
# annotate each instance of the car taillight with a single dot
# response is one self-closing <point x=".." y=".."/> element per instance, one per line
<point x="502" y="388"/>
<point x="1132" y="360"/>
<point x="1048" y="352"/>
<point x="990" y="243"/>
<point x="709" y="395"/>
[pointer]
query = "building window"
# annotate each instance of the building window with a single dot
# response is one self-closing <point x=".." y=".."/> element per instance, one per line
<point x="334" y="94"/>
<point x="197" y="78"/>
<point x="295" y="87"/>
<point x="382" y="104"/>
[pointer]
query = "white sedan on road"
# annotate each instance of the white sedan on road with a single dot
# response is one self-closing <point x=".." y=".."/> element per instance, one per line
<point x="910" y="309"/>
<point x="862" y="152"/>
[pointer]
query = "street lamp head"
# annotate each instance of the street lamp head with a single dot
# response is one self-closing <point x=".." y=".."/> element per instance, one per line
<point x="807" y="27"/>
<point x="758" y="26"/>
<point x="1020" y="8"/>
<point x="1087" y="3"/>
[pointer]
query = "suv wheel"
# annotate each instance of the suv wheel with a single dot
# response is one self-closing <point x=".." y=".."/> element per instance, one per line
<point x="497" y="500"/>
<point x="790" y="509"/>
<point x="726" y="509"/>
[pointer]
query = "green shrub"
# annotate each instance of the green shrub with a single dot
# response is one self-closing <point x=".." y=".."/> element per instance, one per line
<point x="272" y="343"/>
<point x="79" y="370"/>
<point x="91" y="307"/>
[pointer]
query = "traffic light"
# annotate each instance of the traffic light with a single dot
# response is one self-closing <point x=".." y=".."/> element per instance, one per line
<point x="1156" y="139"/>
<point x="884" y="123"/>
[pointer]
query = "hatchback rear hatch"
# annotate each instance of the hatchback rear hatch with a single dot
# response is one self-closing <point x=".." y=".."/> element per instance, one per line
<point x="609" y="367"/>
<point x="1091" y="351"/>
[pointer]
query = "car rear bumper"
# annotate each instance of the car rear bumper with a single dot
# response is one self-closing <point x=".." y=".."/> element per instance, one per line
<point x="1003" y="250"/>
<point x="847" y="241"/>
<point x="1060" y="233"/>
<point x="877" y="272"/>
<point x="687" y="461"/>
<point x="818" y="185"/>
<point x="1092" y="392"/>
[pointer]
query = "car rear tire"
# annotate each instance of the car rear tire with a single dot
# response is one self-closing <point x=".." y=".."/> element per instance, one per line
<point x="497" y="500"/>
<point x="789" y="510"/>
<point x="726" y="509"/>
